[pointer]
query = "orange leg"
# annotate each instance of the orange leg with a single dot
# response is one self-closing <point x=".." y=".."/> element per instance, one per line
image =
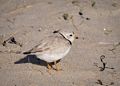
<point x="49" y="68"/>
<point x="57" y="66"/>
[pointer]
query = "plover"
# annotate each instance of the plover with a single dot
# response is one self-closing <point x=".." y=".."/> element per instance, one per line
<point x="53" y="48"/>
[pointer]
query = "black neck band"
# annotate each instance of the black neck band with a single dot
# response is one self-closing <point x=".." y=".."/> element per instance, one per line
<point x="66" y="39"/>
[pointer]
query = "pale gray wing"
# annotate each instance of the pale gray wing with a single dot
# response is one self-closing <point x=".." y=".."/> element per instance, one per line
<point x="48" y="44"/>
<point x="42" y="46"/>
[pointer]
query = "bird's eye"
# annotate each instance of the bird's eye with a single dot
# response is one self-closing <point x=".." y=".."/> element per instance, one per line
<point x="70" y="34"/>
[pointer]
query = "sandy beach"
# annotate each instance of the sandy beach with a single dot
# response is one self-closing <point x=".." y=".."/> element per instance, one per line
<point x="94" y="59"/>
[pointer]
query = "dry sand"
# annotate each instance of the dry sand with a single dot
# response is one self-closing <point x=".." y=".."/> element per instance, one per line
<point x="96" y="23"/>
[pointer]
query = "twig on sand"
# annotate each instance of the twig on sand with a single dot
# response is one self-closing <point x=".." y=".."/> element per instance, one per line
<point x="103" y="63"/>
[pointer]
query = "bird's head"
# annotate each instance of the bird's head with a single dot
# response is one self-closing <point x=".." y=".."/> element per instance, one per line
<point x="67" y="35"/>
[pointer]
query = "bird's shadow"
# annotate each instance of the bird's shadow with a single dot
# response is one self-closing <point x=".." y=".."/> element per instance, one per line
<point x="31" y="59"/>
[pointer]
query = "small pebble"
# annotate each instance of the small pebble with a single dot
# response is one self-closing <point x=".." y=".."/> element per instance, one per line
<point x="112" y="83"/>
<point x="76" y="37"/>
<point x="49" y="2"/>
<point x="80" y="13"/>
<point x="39" y="30"/>
<point x="114" y="4"/>
<point x="83" y="38"/>
<point x="87" y="18"/>
<point x="74" y="2"/>
<point x="93" y="4"/>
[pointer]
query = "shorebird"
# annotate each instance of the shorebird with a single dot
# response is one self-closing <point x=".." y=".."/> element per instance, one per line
<point x="53" y="48"/>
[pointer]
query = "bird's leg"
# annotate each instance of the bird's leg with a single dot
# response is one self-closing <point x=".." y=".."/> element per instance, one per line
<point x="49" y="67"/>
<point x="57" y="66"/>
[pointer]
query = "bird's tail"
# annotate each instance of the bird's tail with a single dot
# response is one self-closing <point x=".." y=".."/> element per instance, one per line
<point x="28" y="52"/>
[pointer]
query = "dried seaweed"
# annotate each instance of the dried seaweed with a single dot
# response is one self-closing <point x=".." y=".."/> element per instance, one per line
<point x="11" y="40"/>
<point x="65" y="16"/>
<point x="114" y="4"/>
<point x="93" y="3"/>
<point x="80" y="13"/>
<point x="100" y="82"/>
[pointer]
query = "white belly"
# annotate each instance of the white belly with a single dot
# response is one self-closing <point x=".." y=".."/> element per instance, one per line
<point x="53" y="57"/>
